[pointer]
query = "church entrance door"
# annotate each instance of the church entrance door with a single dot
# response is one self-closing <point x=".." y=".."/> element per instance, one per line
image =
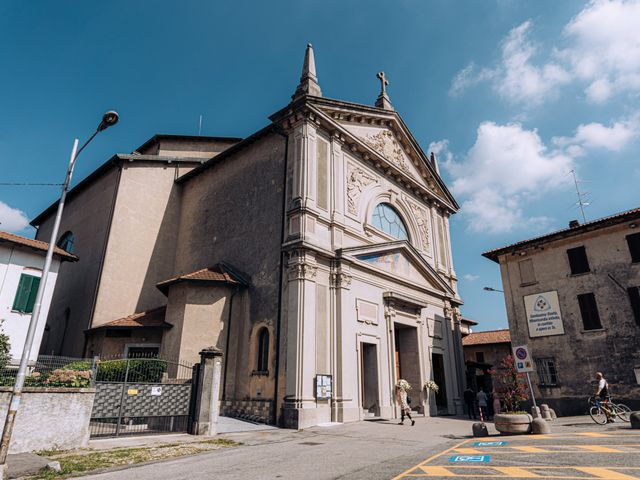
<point x="369" y="391"/>
<point x="439" y="378"/>
<point x="407" y="360"/>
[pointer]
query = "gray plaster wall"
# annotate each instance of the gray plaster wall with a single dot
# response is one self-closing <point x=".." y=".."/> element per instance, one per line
<point x="87" y="215"/>
<point x="50" y="418"/>
<point x="232" y="212"/>
<point x="578" y="353"/>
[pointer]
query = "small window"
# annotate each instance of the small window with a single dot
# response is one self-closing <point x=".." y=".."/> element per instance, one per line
<point x="386" y="219"/>
<point x="633" y="241"/>
<point x="578" y="260"/>
<point x="263" y="351"/>
<point x="547" y="373"/>
<point x="634" y="297"/>
<point x="67" y="242"/>
<point x="527" y="274"/>
<point x="480" y="357"/>
<point x="26" y="295"/>
<point x="589" y="311"/>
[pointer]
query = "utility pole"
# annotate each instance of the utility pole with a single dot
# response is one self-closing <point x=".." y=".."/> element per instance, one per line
<point x="581" y="203"/>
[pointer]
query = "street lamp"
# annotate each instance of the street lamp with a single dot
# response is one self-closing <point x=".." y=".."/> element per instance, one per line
<point x="108" y="119"/>
<point x="490" y="289"/>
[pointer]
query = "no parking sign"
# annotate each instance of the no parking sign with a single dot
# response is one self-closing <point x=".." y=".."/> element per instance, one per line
<point x="523" y="359"/>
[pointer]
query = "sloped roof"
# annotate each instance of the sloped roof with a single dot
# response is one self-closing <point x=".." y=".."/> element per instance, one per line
<point x="153" y="318"/>
<point x="486" y="338"/>
<point x="219" y="273"/>
<point x="614" y="219"/>
<point x="42" y="247"/>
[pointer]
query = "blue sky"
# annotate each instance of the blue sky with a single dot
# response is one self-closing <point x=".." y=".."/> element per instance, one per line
<point x="511" y="94"/>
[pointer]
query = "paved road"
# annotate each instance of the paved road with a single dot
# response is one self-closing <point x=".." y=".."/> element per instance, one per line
<point x="578" y="449"/>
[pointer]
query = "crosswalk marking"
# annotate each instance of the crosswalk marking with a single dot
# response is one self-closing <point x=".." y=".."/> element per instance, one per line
<point x="438" y="472"/>
<point x="599" y="449"/>
<point x="531" y="449"/>
<point x="607" y="473"/>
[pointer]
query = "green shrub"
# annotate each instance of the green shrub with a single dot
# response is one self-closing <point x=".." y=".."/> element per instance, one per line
<point x="80" y="365"/>
<point x="5" y="348"/>
<point x="142" y="371"/>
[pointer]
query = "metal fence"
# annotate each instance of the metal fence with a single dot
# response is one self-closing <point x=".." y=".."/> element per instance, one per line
<point x="52" y="371"/>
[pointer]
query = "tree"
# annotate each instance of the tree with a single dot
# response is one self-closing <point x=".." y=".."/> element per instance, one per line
<point x="5" y="349"/>
<point x="511" y="385"/>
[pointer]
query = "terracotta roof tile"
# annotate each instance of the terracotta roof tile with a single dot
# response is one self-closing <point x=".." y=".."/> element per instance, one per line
<point x="484" y="338"/>
<point x="220" y="273"/>
<point x="6" y="237"/>
<point x="153" y="318"/>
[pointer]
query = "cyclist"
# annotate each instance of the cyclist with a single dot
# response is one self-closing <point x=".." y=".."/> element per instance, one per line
<point x="603" y="392"/>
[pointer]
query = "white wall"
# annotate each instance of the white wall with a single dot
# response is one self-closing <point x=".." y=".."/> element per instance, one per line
<point x="14" y="261"/>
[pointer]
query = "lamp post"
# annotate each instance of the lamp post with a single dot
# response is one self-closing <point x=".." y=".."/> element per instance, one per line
<point x="108" y="119"/>
<point x="491" y="289"/>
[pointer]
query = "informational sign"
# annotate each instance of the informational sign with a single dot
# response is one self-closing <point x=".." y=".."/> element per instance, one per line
<point x="156" y="391"/>
<point x="132" y="391"/>
<point x="523" y="359"/>
<point x="543" y="314"/>
<point x="489" y="444"/>
<point x="324" y="387"/>
<point x="470" y="458"/>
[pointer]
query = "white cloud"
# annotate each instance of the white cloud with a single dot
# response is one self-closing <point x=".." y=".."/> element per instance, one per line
<point x="598" y="136"/>
<point x="506" y="167"/>
<point x="470" y="277"/>
<point x="601" y="53"/>
<point x="605" y="47"/>
<point x="441" y="151"/>
<point x="12" y="219"/>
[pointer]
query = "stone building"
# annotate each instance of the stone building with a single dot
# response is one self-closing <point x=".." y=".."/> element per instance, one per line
<point x="483" y="352"/>
<point x="314" y="253"/>
<point x="573" y="296"/>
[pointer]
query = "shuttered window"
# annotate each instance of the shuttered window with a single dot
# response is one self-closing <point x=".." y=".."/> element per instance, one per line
<point x="26" y="294"/>
<point x="634" y="297"/>
<point x="527" y="274"/>
<point x="589" y="311"/>
<point x="633" y="241"/>
<point x="578" y="260"/>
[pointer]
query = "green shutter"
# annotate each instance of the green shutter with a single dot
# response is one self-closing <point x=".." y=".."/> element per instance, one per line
<point x="26" y="294"/>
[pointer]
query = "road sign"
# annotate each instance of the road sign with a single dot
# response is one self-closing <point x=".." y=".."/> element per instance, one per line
<point x="522" y="359"/>
<point x="470" y="458"/>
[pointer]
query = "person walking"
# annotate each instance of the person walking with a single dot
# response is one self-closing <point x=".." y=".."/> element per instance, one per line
<point x="402" y="389"/>
<point x="482" y="403"/>
<point x="469" y="397"/>
<point x="602" y="391"/>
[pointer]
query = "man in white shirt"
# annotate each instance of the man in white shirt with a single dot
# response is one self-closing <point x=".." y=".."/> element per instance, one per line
<point x="603" y="392"/>
<point x="482" y="403"/>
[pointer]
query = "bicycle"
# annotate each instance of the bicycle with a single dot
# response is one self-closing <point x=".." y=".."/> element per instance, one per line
<point x="600" y="411"/>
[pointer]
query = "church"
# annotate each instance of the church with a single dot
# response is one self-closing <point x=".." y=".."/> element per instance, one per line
<point x="315" y="254"/>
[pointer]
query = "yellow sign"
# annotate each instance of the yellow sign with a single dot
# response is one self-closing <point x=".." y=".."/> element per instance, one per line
<point x="132" y="391"/>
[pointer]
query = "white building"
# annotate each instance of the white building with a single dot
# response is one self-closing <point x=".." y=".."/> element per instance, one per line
<point x="21" y="263"/>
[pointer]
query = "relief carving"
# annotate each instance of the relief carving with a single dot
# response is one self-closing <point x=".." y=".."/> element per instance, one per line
<point x="340" y="280"/>
<point x="357" y="180"/>
<point x="422" y="219"/>
<point x="385" y="144"/>
<point x="302" y="271"/>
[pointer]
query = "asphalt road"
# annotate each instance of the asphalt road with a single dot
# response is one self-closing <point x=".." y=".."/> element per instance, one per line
<point x="578" y="449"/>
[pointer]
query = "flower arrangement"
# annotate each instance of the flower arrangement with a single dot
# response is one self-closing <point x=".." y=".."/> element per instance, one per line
<point x="403" y="384"/>
<point x="432" y="386"/>
<point x="511" y="385"/>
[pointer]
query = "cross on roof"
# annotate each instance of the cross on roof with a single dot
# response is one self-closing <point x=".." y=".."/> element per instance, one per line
<point x="383" y="82"/>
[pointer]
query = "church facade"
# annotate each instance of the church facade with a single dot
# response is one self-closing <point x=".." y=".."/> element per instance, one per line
<point x="315" y="254"/>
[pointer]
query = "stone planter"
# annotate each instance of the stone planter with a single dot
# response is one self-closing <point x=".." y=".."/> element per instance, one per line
<point x="513" y="423"/>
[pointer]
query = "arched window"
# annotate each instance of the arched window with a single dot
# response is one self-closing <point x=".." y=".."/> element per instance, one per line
<point x="387" y="219"/>
<point x="263" y="351"/>
<point x="67" y="242"/>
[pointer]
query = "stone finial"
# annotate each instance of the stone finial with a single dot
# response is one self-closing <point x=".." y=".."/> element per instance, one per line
<point x="308" y="80"/>
<point x="383" y="100"/>
<point x="209" y="352"/>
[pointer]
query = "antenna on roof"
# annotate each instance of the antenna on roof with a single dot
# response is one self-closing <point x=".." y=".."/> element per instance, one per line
<point x="200" y="126"/>
<point x="581" y="197"/>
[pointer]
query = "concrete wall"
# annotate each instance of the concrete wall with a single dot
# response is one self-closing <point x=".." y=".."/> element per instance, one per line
<point x="14" y="261"/>
<point x="50" y="418"/>
<point x="493" y="352"/>
<point x="578" y="353"/>
<point x="232" y="212"/>
<point x="87" y="215"/>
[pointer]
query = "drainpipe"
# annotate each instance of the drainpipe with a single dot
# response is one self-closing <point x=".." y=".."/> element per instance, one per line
<point x="280" y="280"/>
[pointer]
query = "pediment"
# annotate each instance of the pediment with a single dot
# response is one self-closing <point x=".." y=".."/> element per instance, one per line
<point x="399" y="259"/>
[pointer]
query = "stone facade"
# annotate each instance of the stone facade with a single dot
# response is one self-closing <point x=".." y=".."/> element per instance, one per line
<point x="305" y="284"/>
<point x="583" y="349"/>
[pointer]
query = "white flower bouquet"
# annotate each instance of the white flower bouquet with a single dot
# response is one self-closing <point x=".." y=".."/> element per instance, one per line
<point x="404" y="385"/>
<point x="431" y="385"/>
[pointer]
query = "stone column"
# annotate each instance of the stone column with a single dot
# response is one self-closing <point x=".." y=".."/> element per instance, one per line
<point x="455" y="399"/>
<point x="207" y="404"/>
<point x="459" y="352"/>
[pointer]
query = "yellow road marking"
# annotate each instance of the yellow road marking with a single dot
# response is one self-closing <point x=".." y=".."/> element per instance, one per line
<point x="432" y="457"/>
<point x="599" y="448"/>
<point x="592" y="434"/>
<point x="468" y="451"/>
<point x="531" y="449"/>
<point x="513" y="472"/>
<point x="599" y="472"/>
<point x="438" y="472"/>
